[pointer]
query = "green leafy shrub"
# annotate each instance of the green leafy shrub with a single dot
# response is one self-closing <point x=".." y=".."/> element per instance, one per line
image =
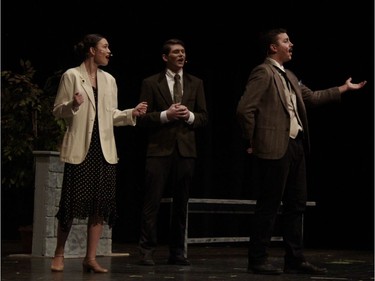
<point x="27" y="123"/>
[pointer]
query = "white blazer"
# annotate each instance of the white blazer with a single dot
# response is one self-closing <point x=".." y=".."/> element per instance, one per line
<point x="77" y="137"/>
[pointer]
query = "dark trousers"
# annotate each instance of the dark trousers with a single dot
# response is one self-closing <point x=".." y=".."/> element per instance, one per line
<point x="282" y="180"/>
<point x="161" y="171"/>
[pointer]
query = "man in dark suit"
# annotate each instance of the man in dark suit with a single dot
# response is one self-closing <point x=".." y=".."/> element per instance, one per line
<point x="171" y="150"/>
<point x="272" y="115"/>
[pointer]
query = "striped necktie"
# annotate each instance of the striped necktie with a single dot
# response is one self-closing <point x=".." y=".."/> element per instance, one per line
<point x="177" y="89"/>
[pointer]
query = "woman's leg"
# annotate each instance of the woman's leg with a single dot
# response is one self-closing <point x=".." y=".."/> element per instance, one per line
<point x="94" y="232"/>
<point x="58" y="260"/>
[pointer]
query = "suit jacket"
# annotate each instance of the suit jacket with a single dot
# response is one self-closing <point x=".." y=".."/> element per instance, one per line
<point x="77" y="137"/>
<point x="163" y="137"/>
<point x="263" y="111"/>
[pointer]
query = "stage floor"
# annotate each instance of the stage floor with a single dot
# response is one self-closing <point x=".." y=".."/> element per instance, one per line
<point x="210" y="262"/>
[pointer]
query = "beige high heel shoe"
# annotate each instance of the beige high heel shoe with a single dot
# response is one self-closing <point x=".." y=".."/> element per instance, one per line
<point x="93" y="265"/>
<point x="57" y="264"/>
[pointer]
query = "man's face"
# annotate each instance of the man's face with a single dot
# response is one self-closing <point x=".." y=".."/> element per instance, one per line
<point x="176" y="58"/>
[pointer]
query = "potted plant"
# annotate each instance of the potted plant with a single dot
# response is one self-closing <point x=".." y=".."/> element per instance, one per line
<point x="27" y="125"/>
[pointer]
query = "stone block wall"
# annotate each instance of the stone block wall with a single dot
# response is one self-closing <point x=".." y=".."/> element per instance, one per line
<point x="49" y="171"/>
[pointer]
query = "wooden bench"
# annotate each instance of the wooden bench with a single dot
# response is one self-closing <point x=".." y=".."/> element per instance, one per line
<point x="221" y="206"/>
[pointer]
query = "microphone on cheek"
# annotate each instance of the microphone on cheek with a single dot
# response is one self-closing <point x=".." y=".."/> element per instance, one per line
<point x="111" y="55"/>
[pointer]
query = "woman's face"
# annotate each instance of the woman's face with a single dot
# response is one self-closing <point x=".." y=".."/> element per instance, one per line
<point x="101" y="52"/>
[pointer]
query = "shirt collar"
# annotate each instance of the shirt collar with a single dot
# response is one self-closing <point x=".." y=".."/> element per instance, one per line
<point x="275" y="63"/>
<point x="170" y="74"/>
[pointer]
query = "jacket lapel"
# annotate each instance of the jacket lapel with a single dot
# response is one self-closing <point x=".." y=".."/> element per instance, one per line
<point x="186" y="88"/>
<point x="279" y="85"/>
<point x="164" y="89"/>
<point x="86" y="85"/>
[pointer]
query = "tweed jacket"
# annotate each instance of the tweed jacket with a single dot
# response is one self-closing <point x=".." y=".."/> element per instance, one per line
<point x="77" y="137"/>
<point x="263" y="114"/>
<point x="163" y="137"/>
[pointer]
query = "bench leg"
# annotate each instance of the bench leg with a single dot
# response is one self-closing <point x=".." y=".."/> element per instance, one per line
<point x="186" y="231"/>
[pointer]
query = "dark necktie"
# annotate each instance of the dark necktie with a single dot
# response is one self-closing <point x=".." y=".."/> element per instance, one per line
<point x="177" y="89"/>
<point x="283" y="73"/>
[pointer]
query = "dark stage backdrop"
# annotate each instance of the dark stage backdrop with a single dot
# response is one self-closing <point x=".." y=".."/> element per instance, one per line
<point x="331" y="44"/>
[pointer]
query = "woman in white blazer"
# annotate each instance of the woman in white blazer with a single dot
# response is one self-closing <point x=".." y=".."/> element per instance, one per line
<point x="87" y="100"/>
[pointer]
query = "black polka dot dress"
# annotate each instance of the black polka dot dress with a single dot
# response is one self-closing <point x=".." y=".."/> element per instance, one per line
<point x="89" y="188"/>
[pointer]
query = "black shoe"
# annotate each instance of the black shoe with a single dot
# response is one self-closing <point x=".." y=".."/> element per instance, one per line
<point x="304" y="268"/>
<point x="264" y="268"/>
<point x="179" y="261"/>
<point x="146" y="260"/>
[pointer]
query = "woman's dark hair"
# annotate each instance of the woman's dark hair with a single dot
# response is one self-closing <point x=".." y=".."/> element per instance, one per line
<point x="167" y="45"/>
<point x="82" y="48"/>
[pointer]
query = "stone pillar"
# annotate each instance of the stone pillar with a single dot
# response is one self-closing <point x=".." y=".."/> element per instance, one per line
<point x="49" y="172"/>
